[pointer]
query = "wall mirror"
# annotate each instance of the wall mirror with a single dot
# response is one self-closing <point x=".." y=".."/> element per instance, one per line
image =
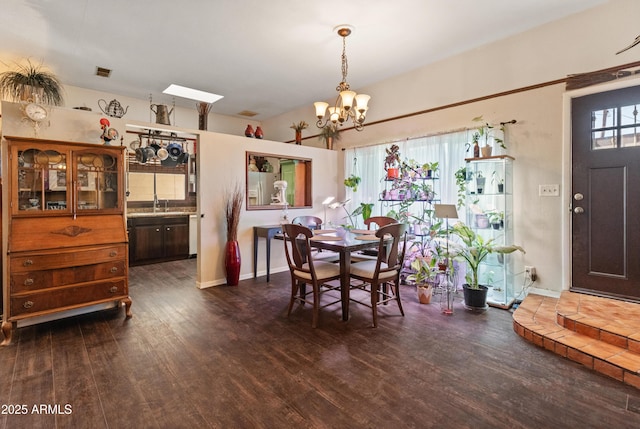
<point x="274" y="181"/>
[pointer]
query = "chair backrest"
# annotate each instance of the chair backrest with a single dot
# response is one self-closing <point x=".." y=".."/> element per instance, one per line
<point x="379" y="220"/>
<point x="297" y="237"/>
<point x="311" y="222"/>
<point x="392" y="253"/>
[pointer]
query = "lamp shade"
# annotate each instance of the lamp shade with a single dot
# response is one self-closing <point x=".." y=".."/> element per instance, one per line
<point x="361" y="102"/>
<point x="334" y="114"/>
<point x="321" y="108"/>
<point x="347" y="99"/>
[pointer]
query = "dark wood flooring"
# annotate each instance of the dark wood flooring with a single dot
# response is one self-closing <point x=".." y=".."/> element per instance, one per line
<point x="227" y="357"/>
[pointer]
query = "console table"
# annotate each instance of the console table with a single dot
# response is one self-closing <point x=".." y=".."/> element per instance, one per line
<point x="267" y="232"/>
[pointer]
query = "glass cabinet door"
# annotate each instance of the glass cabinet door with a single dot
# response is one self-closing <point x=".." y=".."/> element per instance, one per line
<point x="97" y="178"/>
<point x="41" y="180"/>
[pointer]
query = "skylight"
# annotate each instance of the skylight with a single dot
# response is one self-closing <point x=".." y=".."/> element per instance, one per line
<point x="194" y="94"/>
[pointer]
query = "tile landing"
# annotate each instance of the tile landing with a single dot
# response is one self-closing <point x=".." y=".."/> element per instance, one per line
<point x="602" y="334"/>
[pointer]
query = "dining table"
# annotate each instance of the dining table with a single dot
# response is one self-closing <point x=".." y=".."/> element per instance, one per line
<point x="345" y="243"/>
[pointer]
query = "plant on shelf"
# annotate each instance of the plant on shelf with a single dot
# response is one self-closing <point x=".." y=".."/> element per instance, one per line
<point x="487" y="131"/>
<point x="31" y="83"/>
<point x="298" y="129"/>
<point x="352" y="182"/>
<point x="330" y="134"/>
<point x="429" y="169"/>
<point x="392" y="161"/>
<point x="473" y="250"/>
<point x="495" y="178"/>
<point x="496" y="218"/>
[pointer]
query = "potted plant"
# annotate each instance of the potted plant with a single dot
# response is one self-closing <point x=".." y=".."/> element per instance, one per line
<point x="423" y="276"/>
<point x="461" y="184"/>
<point x="498" y="181"/>
<point x="392" y="161"/>
<point x="487" y="131"/>
<point x="298" y="129"/>
<point x="429" y="169"/>
<point x="473" y="250"/>
<point x="329" y="134"/>
<point x="233" y="207"/>
<point x="31" y="83"/>
<point x="496" y="219"/>
<point x="352" y="182"/>
<point x="480" y="180"/>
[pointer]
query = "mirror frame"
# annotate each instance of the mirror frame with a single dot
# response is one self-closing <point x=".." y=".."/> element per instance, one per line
<point x="308" y="194"/>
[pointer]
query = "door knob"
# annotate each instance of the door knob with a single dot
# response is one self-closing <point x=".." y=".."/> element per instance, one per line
<point x="578" y="210"/>
<point x="578" y="196"/>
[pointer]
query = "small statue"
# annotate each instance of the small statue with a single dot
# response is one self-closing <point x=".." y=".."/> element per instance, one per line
<point x="108" y="134"/>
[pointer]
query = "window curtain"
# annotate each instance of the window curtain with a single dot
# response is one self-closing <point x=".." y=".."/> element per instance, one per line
<point x="449" y="150"/>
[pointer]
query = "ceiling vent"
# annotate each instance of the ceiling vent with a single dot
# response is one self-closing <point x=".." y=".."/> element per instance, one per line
<point x="248" y="113"/>
<point x="103" y="72"/>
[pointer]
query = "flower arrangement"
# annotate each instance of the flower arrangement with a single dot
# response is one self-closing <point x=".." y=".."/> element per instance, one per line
<point x="233" y="208"/>
<point x="299" y="126"/>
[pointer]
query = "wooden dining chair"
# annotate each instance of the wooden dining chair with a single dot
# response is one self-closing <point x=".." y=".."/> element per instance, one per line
<point x="306" y="270"/>
<point x="371" y="223"/>
<point x="379" y="220"/>
<point x="311" y="222"/>
<point x="381" y="278"/>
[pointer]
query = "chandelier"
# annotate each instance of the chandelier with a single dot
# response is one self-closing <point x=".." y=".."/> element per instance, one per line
<point x="348" y="105"/>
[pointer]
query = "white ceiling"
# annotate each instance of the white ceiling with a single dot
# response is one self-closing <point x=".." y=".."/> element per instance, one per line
<point x="264" y="56"/>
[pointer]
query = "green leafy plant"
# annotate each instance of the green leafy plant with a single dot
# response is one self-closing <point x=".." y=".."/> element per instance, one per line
<point x="487" y="131"/>
<point x="299" y="126"/>
<point x="364" y="209"/>
<point x="392" y="159"/>
<point x="30" y="82"/>
<point x="461" y="183"/>
<point x="352" y="182"/>
<point x="475" y="249"/>
<point x="330" y="131"/>
<point x="423" y="268"/>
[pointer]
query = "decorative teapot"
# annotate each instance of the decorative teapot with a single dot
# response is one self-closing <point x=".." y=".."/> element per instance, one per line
<point x="114" y="109"/>
<point x="162" y="113"/>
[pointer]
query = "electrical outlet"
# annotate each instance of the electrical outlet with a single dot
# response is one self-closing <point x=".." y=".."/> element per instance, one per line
<point x="530" y="273"/>
<point x="549" y="190"/>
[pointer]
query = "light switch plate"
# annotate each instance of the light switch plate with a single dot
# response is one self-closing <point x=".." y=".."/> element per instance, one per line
<point x="549" y="190"/>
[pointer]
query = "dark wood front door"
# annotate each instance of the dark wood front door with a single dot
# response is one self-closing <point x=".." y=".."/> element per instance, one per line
<point x="606" y="193"/>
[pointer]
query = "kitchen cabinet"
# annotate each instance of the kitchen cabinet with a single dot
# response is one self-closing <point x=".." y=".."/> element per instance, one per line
<point x="158" y="238"/>
<point x="66" y="243"/>
<point x="489" y="203"/>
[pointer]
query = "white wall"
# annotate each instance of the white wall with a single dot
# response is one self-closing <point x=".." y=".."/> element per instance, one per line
<point x="580" y="43"/>
<point x="222" y="162"/>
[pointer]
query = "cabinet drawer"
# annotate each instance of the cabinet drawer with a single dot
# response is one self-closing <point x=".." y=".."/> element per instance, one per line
<point x="67" y="298"/>
<point x="35" y="280"/>
<point x="25" y="262"/>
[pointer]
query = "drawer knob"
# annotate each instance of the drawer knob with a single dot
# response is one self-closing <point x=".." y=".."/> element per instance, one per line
<point x="27" y="262"/>
<point x="113" y="253"/>
<point x="114" y="269"/>
<point x="28" y="282"/>
<point x="113" y="289"/>
<point x="28" y="304"/>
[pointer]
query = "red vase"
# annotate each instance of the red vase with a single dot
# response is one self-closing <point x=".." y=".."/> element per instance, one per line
<point x="298" y="137"/>
<point x="249" y="131"/>
<point x="259" y="133"/>
<point x="232" y="262"/>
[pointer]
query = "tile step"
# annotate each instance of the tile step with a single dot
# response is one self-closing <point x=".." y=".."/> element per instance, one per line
<point x="575" y="335"/>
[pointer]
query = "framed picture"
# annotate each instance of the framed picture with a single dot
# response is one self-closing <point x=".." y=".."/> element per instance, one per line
<point x="58" y="180"/>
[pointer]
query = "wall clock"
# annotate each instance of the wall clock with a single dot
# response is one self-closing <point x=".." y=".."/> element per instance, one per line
<point x="36" y="113"/>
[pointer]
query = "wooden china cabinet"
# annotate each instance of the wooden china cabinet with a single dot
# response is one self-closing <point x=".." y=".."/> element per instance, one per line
<point x="66" y="244"/>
